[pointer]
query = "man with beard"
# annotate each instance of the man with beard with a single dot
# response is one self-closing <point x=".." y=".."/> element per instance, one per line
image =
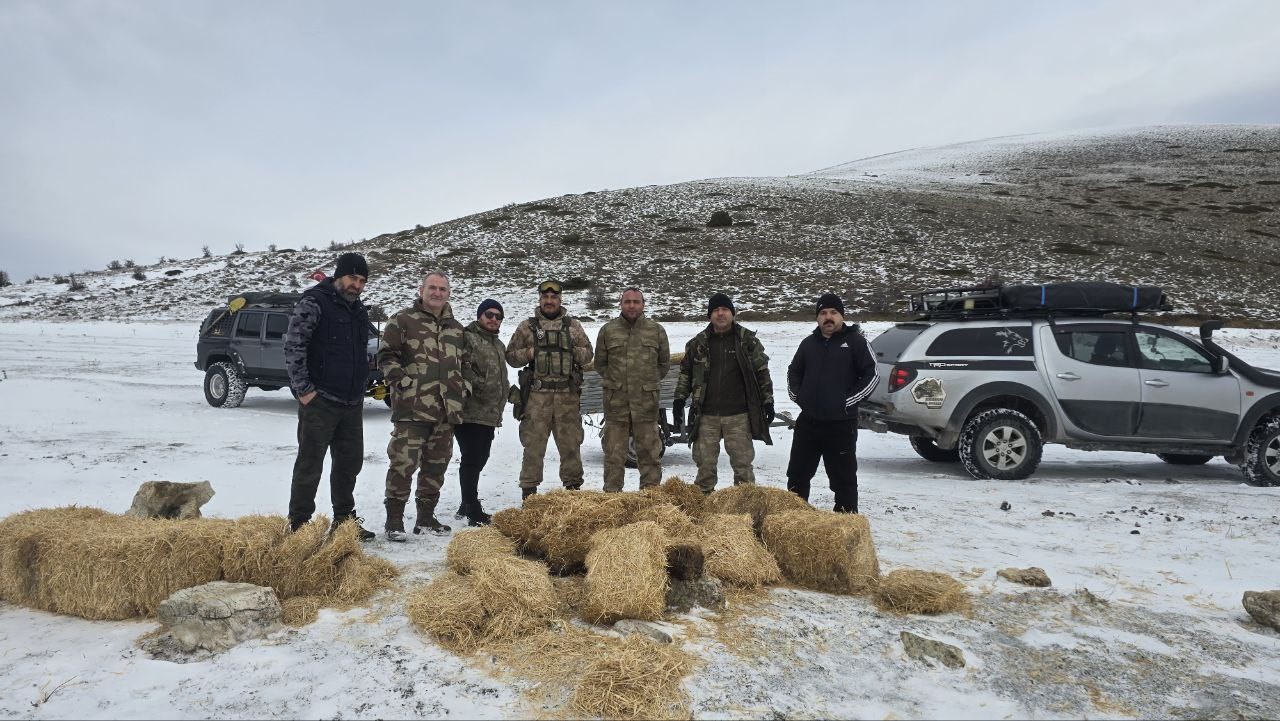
<point x="422" y="356"/>
<point x="326" y="355"/>
<point x="833" y="369"/>
<point x="632" y="357"/>
<point x="553" y="349"/>
<point x="482" y="413"/>
<point x="725" y="376"/>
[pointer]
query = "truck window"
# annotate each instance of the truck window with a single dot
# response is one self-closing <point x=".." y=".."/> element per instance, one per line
<point x="1166" y="353"/>
<point x="250" y="325"/>
<point x="1097" y="347"/>
<point x="277" y="326"/>
<point x="890" y="344"/>
<point x="990" y="341"/>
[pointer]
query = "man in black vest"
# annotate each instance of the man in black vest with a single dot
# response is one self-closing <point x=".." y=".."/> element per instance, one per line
<point x="833" y="369"/>
<point x="325" y="353"/>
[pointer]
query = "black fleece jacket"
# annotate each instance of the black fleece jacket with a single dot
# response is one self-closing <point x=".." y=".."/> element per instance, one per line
<point x="828" y="376"/>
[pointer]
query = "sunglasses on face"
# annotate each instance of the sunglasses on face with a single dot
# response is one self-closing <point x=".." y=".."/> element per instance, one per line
<point x="493" y="315"/>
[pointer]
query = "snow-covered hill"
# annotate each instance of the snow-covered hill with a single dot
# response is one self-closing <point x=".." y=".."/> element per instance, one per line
<point x="1191" y="208"/>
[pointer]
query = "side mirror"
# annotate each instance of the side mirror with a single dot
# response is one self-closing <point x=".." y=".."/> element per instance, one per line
<point x="1221" y="364"/>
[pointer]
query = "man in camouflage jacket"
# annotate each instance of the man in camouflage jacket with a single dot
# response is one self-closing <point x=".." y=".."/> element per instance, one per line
<point x="482" y="413"/>
<point x="725" y="378"/>
<point x="325" y="353"/>
<point x="554" y="348"/>
<point x="422" y="356"/>
<point x="632" y="357"/>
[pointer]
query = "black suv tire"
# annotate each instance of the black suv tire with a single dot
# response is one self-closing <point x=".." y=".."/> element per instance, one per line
<point x="224" y="386"/>
<point x="1184" y="459"/>
<point x="1001" y="444"/>
<point x="929" y="450"/>
<point x="1261" y="465"/>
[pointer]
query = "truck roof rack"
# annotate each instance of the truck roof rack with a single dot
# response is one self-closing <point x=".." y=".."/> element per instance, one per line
<point x="1046" y="300"/>
<point x="266" y="299"/>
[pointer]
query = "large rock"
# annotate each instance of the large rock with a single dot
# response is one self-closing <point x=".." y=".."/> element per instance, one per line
<point x="922" y="649"/>
<point x="706" y="592"/>
<point x="1264" y="606"/>
<point x="1026" y="576"/>
<point x="219" y="615"/>
<point x="168" y="499"/>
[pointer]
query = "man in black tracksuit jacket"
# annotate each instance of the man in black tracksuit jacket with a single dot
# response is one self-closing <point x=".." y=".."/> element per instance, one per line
<point x="832" y="370"/>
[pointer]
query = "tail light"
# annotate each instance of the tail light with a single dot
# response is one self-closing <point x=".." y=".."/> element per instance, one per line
<point x="899" y="377"/>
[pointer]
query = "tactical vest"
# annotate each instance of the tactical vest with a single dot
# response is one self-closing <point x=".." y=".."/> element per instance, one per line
<point x="553" y="368"/>
<point x="337" y="357"/>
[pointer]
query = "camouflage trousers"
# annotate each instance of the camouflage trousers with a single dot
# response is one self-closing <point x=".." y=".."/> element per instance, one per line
<point x="547" y="414"/>
<point x="736" y="432"/>
<point x="648" y="450"/>
<point x="422" y="447"/>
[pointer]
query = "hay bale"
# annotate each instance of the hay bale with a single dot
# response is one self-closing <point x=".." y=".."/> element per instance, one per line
<point x="516" y="524"/>
<point x="686" y="496"/>
<point x="359" y="577"/>
<point x="679" y="527"/>
<point x="300" y="610"/>
<point x="637" y="679"/>
<point x="471" y="545"/>
<point x="909" y="590"/>
<point x="756" y="500"/>
<point x="247" y="549"/>
<point x="568" y="519"/>
<point x="516" y="594"/>
<point x="823" y="550"/>
<point x="448" y="609"/>
<point x="627" y="574"/>
<point x="733" y="553"/>
<point x="20" y="536"/>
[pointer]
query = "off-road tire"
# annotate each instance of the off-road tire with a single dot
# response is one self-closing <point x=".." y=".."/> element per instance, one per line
<point x="631" y="462"/>
<point x="929" y="450"/>
<point x="1000" y="444"/>
<point x="1261" y="465"/>
<point x="224" y="386"/>
<point x="1184" y="459"/>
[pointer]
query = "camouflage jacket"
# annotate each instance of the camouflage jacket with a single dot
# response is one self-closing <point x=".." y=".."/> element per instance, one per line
<point x="632" y="361"/>
<point x="422" y="358"/>
<point x="552" y="368"/>
<point x="754" y="365"/>
<point x="487" y="374"/>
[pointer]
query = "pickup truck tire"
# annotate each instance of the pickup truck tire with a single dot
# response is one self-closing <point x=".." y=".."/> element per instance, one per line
<point x="1184" y="459"/>
<point x="1261" y="465"/>
<point x="224" y="386"/>
<point x="929" y="450"/>
<point x="1000" y="444"/>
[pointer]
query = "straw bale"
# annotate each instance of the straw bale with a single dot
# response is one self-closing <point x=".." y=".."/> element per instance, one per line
<point x="686" y="496"/>
<point x="449" y="609"/>
<point x="823" y="550"/>
<point x="627" y="574"/>
<point x="359" y="577"/>
<point x="300" y="610"/>
<point x="568" y="519"/>
<point x="247" y="549"/>
<point x="517" y="596"/>
<point x="734" y="555"/>
<point x="679" y="527"/>
<point x="516" y="524"/>
<point x="759" y="501"/>
<point x="909" y="590"/>
<point x="637" y="679"/>
<point x="471" y="545"/>
<point x="20" y="536"/>
<point x="318" y="574"/>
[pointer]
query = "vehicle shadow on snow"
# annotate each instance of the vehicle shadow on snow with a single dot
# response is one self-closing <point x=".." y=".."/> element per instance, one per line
<point x="1216" y="472"/>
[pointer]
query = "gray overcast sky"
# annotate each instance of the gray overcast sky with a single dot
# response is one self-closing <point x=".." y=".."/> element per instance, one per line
<point x="148" y="128"/>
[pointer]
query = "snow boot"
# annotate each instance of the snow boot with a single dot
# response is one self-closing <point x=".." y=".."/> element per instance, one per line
<point x="475" y="514"/>
<point x="362" y="533"/>
<point x="526" y="491"/>
<point x="395" y="520"/>
<point x="427" y="519"/>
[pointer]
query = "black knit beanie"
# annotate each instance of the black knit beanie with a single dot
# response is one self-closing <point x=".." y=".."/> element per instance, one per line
<point x="488" y="303"/>
<point x="720" y="300"/>
<point x="830" y="300"/>
<point x="351" y="264"/>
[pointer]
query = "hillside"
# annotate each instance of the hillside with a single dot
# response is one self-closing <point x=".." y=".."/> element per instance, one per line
<point x="1190" y="208"/>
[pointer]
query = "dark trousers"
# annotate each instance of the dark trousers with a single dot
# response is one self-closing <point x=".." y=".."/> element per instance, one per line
<point x="836" y="444"/>
<point x="327" y="426"/>
<point x="475" y="441"/>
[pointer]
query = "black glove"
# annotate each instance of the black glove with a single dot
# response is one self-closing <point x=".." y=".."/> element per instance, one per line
<point x="677" y="415"/>
<point x="768" y="413"/>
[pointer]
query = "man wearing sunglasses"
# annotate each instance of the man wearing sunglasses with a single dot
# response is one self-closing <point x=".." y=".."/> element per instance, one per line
<point x="552" y="349"/>
<point x="482" y="413"/>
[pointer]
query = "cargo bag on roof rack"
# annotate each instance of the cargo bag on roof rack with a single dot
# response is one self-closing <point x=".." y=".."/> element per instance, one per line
<point x="261" y="298"/>
<point x="1098" y="296"/>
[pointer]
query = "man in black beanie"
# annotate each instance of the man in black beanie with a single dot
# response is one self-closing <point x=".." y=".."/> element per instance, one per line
<point x="725" y="378"/>
<point x="833" y="369"/>
<point x="325" y="351"/>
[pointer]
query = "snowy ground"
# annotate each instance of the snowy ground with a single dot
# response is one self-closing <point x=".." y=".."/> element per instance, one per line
<point x="91" y="410"/>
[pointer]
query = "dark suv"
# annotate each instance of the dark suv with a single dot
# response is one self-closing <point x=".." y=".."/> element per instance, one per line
<point x="242" y="345"/>
<point x="987" y="376"/>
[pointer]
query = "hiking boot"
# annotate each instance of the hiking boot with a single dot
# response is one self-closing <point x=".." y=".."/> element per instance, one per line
<point x="526" y="491"/>
<point x="427" y="519"/>
<point x="573" y="487"/>
<point x="395" y="520"/>
<point x="362" y="533"/>
<point x="294" y="524"/>
<point x="461" y="512"/>
<point x="475" y="515"/>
